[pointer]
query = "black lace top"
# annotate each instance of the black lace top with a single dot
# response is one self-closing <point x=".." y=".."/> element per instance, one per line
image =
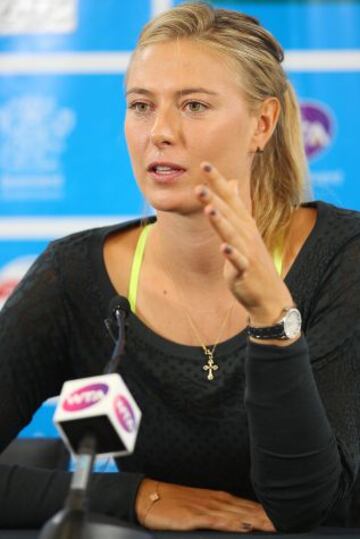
<point x="280" y="425"/>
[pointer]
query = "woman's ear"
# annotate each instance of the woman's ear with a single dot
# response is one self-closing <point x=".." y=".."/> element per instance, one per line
<point x="266" y="120"/>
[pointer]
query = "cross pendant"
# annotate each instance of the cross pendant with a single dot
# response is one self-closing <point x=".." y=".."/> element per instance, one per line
<point x="210" y="366"/>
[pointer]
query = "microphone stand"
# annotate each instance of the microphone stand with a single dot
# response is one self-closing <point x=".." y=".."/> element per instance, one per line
<point x="74" y="521"/>
<point x="69" y="522"/>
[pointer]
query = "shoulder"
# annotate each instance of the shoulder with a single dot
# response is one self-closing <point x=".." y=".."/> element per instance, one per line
<point x="335" y="227"/>
<point x="86" y="246"/>
<point x="328" y="254"/>
<point x="90" y="237"/>
<point x="80" y="261"/>
<point x="74" y="261"/>
<point x="328" y="284"/>
<point x="319" y="232"/>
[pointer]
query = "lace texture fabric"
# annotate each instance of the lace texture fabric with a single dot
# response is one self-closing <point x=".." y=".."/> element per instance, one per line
<point x="244" y="433"/>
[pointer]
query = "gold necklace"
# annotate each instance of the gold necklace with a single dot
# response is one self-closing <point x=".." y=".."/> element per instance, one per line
<point x="210" y="367"/>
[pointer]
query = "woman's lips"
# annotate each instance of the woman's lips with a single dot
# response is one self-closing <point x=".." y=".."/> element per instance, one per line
<point x="166" y="177"/>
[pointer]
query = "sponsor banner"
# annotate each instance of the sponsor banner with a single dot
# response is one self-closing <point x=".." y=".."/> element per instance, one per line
<point x="16" y="258"/>
<point x="321" y="24"/>
<point x="62" y="150"/>
<point x="74" y="25"/>
<point x="329" y="127"/>
<point x="32" y="16"/>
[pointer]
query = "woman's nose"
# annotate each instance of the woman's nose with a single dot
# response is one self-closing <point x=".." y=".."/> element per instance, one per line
<point x="164" y="129"/>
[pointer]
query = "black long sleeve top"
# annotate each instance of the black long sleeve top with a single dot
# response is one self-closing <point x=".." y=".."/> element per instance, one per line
<point x="278" y="425"/>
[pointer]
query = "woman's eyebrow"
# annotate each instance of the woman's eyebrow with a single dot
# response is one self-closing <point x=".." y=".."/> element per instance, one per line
<point x="178" y="93"/>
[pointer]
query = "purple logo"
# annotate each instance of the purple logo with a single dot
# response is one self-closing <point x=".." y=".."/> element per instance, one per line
<point x="318" y="129"/>
<point x="124" y="413"/>
<point x="85" y="397"/>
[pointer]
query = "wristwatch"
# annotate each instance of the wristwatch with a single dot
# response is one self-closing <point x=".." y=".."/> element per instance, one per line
<point x="288" y="327"/>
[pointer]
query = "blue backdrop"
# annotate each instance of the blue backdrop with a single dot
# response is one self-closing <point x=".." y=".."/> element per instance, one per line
<point x="63" y="160"/>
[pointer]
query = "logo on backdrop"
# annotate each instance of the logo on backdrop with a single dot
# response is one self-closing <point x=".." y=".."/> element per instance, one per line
<point x="34" y="16"/>
<point x="318" y="128"/>
<point x="33" y="137"/>
<point x="11" y="274"/>
<point x="318" y="122"/>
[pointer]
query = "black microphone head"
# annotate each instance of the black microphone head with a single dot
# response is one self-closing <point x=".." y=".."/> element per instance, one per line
<point x="119" y="303"/>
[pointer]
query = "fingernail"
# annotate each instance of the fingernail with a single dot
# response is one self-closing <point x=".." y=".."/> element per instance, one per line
<point x="228" y="249"/>
<point x="207" y="167"/>
<point x="203" y="192"/>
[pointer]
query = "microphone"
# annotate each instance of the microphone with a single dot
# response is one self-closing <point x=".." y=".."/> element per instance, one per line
<point x="119" y="309"/>
<point x="101" y="406"/>
<point x="96" y="415"/>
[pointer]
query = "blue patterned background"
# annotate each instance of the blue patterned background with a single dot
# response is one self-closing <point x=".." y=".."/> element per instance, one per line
<point x="63" y="160"/>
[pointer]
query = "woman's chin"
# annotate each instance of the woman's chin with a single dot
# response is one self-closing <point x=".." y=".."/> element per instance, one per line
<point x="177" y="204"/>
<point x="180" y="202"/>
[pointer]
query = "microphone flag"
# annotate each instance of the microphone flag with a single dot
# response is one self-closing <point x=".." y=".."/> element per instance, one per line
<point x="103" y="407"/>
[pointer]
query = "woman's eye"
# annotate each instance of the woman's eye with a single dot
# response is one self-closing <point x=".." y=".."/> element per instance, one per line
<point x="139" y="106"/>
<point x="195" y="106"/>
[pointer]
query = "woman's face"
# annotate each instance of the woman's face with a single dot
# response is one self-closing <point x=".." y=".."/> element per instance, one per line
<point x="184" y="107"/>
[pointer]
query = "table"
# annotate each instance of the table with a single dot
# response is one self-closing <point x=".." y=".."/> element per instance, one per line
<point x="321" y="533"/>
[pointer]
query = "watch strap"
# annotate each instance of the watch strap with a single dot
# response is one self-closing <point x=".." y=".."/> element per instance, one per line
<point x="277" y="330"/>
<point x="270" y="332"/>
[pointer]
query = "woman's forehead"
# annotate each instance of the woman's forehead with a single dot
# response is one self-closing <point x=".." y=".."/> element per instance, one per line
<point x="181" y="62"/>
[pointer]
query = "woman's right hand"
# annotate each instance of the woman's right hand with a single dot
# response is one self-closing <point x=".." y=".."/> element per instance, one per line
<point x="185" y="508"/>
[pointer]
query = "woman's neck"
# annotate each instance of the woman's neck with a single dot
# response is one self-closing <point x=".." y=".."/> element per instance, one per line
<point x="188" y="247"/>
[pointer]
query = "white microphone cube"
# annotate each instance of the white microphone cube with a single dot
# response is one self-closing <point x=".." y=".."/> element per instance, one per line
<point x="101" y="406"/>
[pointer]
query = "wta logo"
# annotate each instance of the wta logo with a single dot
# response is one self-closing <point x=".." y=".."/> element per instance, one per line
<point x="85" y="397"/>
<point x="318" y="128"/>
<point x="124" y="413"/>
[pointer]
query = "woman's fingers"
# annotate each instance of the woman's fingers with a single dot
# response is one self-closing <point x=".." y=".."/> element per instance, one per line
<point x="227" y="222"/>
<point x="180" y="516"/>
<point x="209" y="198"/>
<point x="224" y="521"/>
<point x="222" y="217"/>
<point x="247" y="511"/>
<point x="234" y="245"/>
<point x="224" y="189"/>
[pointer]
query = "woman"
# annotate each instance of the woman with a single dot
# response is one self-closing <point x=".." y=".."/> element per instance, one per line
<point x="231" y="262"/>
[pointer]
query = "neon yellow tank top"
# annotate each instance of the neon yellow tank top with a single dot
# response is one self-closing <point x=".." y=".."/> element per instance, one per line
<point x="138" y="257"/>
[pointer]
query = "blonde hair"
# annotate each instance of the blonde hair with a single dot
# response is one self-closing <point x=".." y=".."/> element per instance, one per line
<point x="278" y="174"/>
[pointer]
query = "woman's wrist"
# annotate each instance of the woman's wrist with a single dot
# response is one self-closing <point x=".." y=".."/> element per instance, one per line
<point x="147" y="496"/>
<point x="269" y="315"/>
<point x="279" y="325"/>
<point x="274" y="342"/>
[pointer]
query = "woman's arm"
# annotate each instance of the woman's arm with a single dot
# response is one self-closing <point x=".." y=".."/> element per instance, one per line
<point x="300" y="466"/>
<point x="303" y="405"/>
<point x="30" y="496"/>
<point x="34" y="363"/>
<point x="34" y="343"/>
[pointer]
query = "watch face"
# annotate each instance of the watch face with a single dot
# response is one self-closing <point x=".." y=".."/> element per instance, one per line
<point x="292" y="323"/>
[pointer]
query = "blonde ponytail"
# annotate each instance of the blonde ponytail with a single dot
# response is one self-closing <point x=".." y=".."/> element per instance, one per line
<point x="278" y="175"/>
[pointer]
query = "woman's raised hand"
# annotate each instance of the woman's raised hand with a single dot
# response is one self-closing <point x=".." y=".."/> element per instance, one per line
<point x="185" y="508"/>
<point x="249" y="269"/>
